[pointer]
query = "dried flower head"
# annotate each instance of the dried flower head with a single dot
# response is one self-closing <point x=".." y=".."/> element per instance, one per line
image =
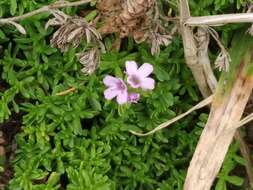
<point x="60" y="18"/>
<point x="90" y="60"/>
<point x="158" y="40"/>
<point x="222" y="61"/>
<point x="72" y="32"/>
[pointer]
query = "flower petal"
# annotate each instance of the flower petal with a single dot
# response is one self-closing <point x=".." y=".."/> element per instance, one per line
<point x="148" y="83"/>
<point x="134" y="81"/>
<point x="110" y="93"/>
<point x="133" y="97"/>
<point x="122" y="97"/>
<point x="110" y="81"/>
<point x="145" y="70"/>
<point x="131" y="67"/>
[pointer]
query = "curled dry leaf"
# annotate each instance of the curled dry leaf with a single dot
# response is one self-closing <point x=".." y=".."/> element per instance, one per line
<point x="72" y="32"/>
<point x="18" y="26"/>
<point x="158" y="40"/>
<point x="90" y="60"/>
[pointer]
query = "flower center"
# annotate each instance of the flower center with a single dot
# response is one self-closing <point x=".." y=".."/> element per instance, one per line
<point x="135" y="80"/>
<point x="121" y="86"/>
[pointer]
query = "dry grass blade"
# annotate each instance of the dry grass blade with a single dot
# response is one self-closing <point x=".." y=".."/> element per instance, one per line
<point x="203" y="39"/>
<point x="65" y="92"/>
<point x="220" y="19"/>
<point x="201" y="104"/>
<point x="227" y="108"/>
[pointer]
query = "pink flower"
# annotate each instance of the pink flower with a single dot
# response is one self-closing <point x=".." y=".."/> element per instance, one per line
<point x="139" y="77"/>
<point x="116" y="88"/>
<point x="133" y="97"/>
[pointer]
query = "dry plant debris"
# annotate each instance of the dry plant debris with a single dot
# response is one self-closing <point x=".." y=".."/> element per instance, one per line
<point x="138" y="19"/>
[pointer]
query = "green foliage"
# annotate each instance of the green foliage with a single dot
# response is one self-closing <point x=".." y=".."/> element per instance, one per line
<point x="231" y="161"/>
<point x="80" y="140"/>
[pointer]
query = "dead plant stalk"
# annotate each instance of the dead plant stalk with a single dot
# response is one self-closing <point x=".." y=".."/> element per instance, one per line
<point x="190" y="50"/>
<point x="220" y="19"/>
<point x="217" y="135"/>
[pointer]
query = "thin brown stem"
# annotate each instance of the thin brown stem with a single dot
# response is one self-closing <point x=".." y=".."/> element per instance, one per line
<point x="43" y="9"/>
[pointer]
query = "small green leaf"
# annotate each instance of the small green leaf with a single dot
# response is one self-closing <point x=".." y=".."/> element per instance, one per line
<point x="53" y="179"/>
<point x="91" y="16"/>
<point x="2" y="35"/>
<point x="13" y="7"/>
<point x="235" y="180"/>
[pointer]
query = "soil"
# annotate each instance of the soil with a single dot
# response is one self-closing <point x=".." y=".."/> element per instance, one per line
<point x="8" y="130"/>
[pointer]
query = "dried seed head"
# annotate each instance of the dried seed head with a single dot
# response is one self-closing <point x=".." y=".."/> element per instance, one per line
<point x="60" y="18"/>
<point x="222" y="61"/>
<point x="90" y="60"/>
<point x="72" y="32"/>
<point x="158" y="40"/>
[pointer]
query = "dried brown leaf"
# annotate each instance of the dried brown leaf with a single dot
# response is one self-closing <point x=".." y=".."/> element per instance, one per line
<point x="158" y="40"/>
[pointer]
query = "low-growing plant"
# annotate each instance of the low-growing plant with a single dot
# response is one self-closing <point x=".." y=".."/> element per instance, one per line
<point x="77" y="139"/>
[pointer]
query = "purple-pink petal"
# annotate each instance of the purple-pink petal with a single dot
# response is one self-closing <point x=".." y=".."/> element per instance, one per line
<point x="148" y="83"/>
<point x="133" y="97"/>
<point x="110" y="93"/>
<point x="145" y="70"/>
<point x="131" y="67"/>
<point x="110" y="81"/>
<point x="122" y="97"/>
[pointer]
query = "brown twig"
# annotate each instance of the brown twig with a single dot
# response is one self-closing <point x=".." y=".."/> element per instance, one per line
<point x="44" y="9"/>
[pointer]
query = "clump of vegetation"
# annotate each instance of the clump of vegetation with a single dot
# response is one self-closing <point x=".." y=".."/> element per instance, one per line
<point x="71" y="136"/>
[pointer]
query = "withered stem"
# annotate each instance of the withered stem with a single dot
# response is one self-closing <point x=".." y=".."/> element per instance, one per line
<point x="220" y="19"/>
<point x="44" y="9"/>
<point x="72" y="89"/>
